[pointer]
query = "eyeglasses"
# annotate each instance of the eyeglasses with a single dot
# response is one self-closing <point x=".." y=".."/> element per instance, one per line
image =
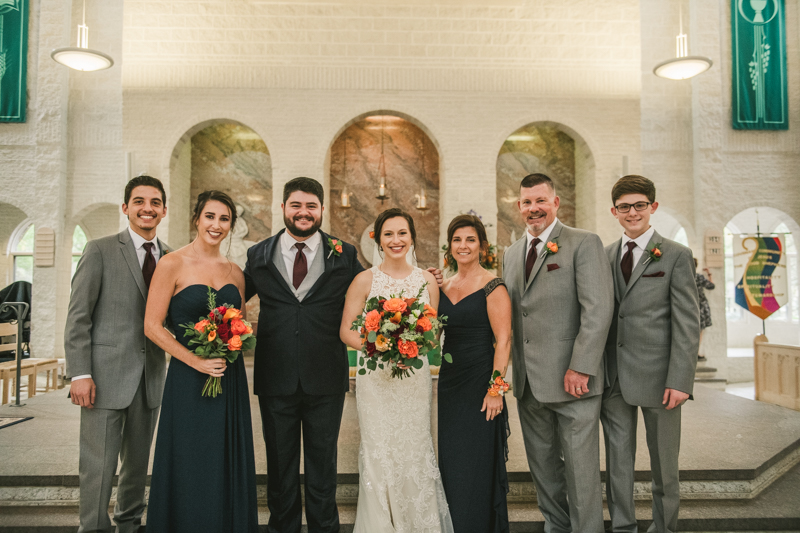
<point x="624" y="208"/>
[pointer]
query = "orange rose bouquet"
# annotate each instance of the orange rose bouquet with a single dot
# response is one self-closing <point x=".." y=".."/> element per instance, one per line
<point x="223" y="333"/>
<point x="397" y="330"/>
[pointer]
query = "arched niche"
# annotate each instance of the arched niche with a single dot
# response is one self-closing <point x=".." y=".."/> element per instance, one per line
<point x="668" y="225"/>
<point x="229" y="156"/>
<point x="11" y="220"/>
<point x="98" y="220"/>
<point x="559" y="152"/>
<point x="412" y="164"/>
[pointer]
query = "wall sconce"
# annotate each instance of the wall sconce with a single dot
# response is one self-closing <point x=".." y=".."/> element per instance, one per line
<point x="346" y="199"/>
<point x="422" y="200"/>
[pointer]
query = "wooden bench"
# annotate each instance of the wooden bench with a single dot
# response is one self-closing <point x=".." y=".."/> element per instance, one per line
<point x="8" y="375"/>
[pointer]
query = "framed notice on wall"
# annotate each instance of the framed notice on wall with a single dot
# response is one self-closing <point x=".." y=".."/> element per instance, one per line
<point x="758" y="29"/>
<point x="13" y="59"/>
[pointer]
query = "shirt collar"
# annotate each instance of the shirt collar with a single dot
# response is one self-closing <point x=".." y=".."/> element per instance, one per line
<point x="544" y="235"/>
<point x="641" y="241"/>
<point x="138" y="240"/>
<point x="288" y="241"/>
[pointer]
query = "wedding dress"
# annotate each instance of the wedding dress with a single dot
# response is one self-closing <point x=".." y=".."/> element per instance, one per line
<point x="400" y="489"/>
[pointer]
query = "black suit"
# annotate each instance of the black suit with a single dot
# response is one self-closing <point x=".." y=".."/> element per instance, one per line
<point x="301" y="376"/>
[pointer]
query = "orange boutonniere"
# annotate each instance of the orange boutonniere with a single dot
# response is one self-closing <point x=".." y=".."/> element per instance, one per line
<point x="655" y="253"/>
<point x="336" y="247"/>
<point x="371" y="234"/>
<point x="551" y="247"/>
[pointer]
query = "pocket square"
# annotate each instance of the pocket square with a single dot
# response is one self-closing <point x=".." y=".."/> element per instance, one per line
<point x="553" y="266"/>
<point x="654" y="275"/>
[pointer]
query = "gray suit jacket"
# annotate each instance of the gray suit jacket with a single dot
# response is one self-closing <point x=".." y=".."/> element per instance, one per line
<point x="560" y="318"/>
<point x="104" y="335"/>
<point x="655" y="334"/>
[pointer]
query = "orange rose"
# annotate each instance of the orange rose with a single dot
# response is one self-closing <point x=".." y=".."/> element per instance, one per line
<point x="499" y="381"/>
<point x="430" y="312"/>
<point x="552" y="246"/>
<point x="396" y="318"/>
<point x="410" y="301"/>
<point x="372" y="322"/>
<point x="382" y="344"/>
<point x="232" y="314"/>
<point x="506" y="387"/>
<point x="212" y="335"/>
<point x="424" y="323"/>
<point x="201" y="326"/>
<point x="656" y="252"/>
<point x="395" y="305"/>
<point x="238" y="327"/>
<point x="248" y="330"/>
<point x="371" y="234"/>
<point x="408" y="348"/>
<point x="235" y="344"/>
<point x="493" y="391"/>
<point x="339" y="248"/>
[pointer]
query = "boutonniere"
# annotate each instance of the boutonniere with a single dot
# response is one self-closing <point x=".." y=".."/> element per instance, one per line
<point x="336" y="247"/>
<point x="165" y="251"/>
<point x="654" y="253"/>
<point x="551" y="247"/>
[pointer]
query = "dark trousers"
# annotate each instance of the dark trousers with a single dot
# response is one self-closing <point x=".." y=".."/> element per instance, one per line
<point x="283" y="419"/>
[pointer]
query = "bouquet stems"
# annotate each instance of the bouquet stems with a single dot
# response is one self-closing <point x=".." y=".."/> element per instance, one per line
<point x="213" y="387"/>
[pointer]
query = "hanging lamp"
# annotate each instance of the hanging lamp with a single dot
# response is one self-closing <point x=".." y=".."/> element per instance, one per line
<point x="683" y="66"/>
<point x="345" y="195"/>
<point x="82" y="57"/>
<point x="382" y="170"/>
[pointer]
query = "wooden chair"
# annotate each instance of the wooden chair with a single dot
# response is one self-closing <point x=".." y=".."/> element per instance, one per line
<point x="51" y="367"/>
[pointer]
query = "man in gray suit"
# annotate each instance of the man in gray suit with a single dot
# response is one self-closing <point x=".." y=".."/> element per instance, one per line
<point x="117" y="373"/>
<point x="651" y="354"/>
<point x="562" y="300"/>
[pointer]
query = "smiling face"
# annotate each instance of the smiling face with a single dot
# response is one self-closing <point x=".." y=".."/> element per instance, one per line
<point x="538" y="206"/>
<point x="302" y="214"/>
<point x="145" y="209"/>
<point x="635" y="222"/>
<point x="395" y="237"/>
<point x="214" y="222"/>
<point x="466" y="246"/>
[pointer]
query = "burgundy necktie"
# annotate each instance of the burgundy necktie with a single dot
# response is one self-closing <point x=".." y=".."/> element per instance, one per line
<point x="300" y="266"/>
<point x="532" y="255"/>
<point x="627" y="262"/>
<point x="149" y="265"/>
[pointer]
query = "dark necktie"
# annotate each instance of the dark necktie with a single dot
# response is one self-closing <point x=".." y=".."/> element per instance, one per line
<point x="627" y="262"/>
<point x="149" y="265"/>
<point x="532" y="255"/>
<point x="300" y="266"/>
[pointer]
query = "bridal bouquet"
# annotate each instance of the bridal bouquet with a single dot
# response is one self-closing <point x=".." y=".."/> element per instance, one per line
<point x="223" y="333"/>
<point x="399" y="331"/>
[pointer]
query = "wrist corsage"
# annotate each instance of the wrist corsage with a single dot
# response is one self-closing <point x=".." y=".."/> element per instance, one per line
<point x="497" y="385"/>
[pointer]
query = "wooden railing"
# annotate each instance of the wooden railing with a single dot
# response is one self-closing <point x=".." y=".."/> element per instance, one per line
<point x="777" y="373"/>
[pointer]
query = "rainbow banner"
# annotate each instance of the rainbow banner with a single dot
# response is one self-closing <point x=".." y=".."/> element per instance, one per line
<point x="760" y="265"/>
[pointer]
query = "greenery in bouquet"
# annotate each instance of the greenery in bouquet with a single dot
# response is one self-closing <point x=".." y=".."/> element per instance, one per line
<point x="221" y="334"/>
<point x="399" y="331"/>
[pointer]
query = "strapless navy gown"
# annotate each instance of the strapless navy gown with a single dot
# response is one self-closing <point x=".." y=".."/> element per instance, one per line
<point x="204" y="474"/>
<point x="472" y="451"/>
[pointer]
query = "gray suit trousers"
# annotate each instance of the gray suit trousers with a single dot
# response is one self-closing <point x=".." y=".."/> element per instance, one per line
<point x="562" y="441"/>
<point x="109" y="436"/>
<point x="663" y="430"/>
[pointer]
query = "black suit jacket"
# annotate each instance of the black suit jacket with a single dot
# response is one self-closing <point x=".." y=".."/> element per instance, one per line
<point x="298" y="342"/>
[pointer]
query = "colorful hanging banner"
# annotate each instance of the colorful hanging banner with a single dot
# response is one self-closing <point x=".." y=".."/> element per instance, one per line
<point x="13" y="59"/>
<point x="760" y="266"/>
<point x="760" y="100"/>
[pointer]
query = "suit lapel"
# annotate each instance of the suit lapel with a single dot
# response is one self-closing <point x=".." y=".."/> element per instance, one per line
<point x="643" y="262"/>
<point x="545" y="252"/>
<point x="129" y="253"/>
<point x="269" y="252"/>
<point x="616" y="269"/>
<point x="330" y="262"/>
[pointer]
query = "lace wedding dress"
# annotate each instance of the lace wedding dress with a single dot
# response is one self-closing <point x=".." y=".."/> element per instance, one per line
<point x="400" y="489"/>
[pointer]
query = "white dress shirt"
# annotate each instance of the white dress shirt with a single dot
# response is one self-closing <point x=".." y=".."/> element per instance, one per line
<point x="641" y="244"/>
<point x="289" y="251"/>
<point x="543" y="237"/>
<point x="141" y="253"/>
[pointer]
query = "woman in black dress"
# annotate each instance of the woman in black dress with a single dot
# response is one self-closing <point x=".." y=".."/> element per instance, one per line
<point x="473" y="423"/>
<point x="204" y="476"/>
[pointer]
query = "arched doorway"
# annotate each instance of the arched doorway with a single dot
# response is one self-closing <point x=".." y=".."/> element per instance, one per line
<point x="394" y="147"/>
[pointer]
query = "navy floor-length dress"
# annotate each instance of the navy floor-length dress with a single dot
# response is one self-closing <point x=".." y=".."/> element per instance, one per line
<point x="472" y="451"/>
<point x="204" y="476"/>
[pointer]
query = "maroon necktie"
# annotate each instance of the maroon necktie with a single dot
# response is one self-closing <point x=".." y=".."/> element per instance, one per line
<point x="532" y="255"/>
<point x="300" y="266"/>
<point x="149" y="265"/>
<point x="627" y="262"/>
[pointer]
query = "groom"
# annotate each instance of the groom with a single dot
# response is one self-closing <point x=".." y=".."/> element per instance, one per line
<point x="301" y="370"/>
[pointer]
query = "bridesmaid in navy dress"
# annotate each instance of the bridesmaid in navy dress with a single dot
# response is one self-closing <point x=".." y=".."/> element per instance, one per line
<point x="473" y="424"/>
<point x="204" y="467"/>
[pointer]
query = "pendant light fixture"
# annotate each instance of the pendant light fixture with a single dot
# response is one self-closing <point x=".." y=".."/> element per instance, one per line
<point x="82" y="57"/>
<point x="345" y="195"/>
<point x="683" y="66"/>
<point x="382" y="170"/>
<point x="422" y="197"/>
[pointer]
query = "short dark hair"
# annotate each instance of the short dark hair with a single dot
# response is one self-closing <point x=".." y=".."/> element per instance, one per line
<point x="147" y="181"/>
<point x="207" y="196"/>
<point x="394" y="212"/>
<point x="307" y="185"/>
<point x="465" y="221"/>
<point x="532" y="180"/>
<point x="633" y="184"/>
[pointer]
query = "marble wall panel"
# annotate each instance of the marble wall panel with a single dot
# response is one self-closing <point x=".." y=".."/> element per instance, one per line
<point x="412" y="163"/>
<point x="533" y="148"/>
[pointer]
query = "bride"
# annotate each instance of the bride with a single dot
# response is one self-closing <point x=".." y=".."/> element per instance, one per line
<point x="400" y="488"/>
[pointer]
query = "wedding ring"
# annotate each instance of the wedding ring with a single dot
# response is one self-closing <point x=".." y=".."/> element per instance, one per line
<point x="578" y="389"/>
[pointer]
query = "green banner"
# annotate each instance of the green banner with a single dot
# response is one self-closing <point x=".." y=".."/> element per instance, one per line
<point x="760" y="100"/>
<point x="13" y="59"/>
